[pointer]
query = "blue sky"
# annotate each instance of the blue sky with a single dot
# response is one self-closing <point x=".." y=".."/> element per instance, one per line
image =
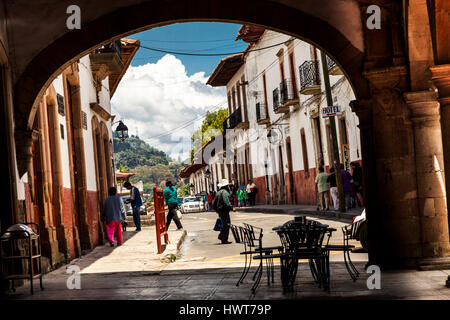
<point x="196" y="37"/>
<point x="164" y="97"/>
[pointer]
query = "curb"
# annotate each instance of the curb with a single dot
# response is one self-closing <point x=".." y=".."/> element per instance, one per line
<point x="328" y="214"/>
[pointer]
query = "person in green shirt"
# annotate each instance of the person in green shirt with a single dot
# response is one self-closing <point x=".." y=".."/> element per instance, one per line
<point x="245" y="197"/>
<point x="240" y="197"/>
<point x="171" y="199"/>
<point x="323" y="188"/>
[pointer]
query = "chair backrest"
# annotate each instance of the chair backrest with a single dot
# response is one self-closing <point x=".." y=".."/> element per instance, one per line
<point x="237" y="233"/>
<point x="253" y="235"/>
<point x="309" y="235"/>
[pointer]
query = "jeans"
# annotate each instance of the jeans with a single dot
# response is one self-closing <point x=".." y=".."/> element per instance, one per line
<point x="323" y="197"/>
<point x="173" y="215"/>
<point x="137" y="218"/>
<point x="335" y="197"/>
<point x="114" y="226"/>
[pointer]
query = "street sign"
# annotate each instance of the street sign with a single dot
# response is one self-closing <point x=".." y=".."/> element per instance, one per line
<point x="331" y="111"/>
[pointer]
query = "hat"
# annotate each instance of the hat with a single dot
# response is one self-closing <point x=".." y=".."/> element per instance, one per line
<point x="223" y="183"/>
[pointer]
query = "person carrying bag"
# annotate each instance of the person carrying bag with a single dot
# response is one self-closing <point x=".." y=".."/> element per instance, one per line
<point x="223" y="206"/>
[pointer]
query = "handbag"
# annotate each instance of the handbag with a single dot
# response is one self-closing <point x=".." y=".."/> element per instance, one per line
<point x="179" y="215"/>
<point x="219" y="225"/>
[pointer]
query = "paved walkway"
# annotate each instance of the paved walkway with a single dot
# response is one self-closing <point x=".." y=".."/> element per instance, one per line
<point x="206" y="270"/>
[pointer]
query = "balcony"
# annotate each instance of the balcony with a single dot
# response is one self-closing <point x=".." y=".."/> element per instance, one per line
<point x="106" y="60"/>
<point x="288" y="96"/>
<point x="261" y="113"/>
<point x="309" y="78"/>
<point x="235" y="121"/>
<point x="333" y="68"/>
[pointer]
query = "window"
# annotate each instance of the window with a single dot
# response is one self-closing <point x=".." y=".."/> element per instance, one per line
<point x="61" y="130"/>
<point x="84" y="116"/>
<point x="305" y="153"/>
<point x="61" y="108"/>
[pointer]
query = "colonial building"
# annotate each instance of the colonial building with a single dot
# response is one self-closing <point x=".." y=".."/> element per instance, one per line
<point x="72" y="157"/>
<point x="275" y="131"/>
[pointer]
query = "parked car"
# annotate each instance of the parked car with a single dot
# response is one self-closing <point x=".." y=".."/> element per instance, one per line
<point x="192" y="204"/>
<point x="360" y="230"/>
<point x="129" y="210"/>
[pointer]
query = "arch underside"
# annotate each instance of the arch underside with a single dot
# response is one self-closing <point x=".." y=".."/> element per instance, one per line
<point x="45" y="66"/>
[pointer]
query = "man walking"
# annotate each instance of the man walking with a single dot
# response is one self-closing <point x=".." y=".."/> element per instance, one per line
<point x="251" y="191"/>
<point x="136" y="203"/>
<point x="223" y="206"/>
<point x="323" y="188"/>
<point x="171" y="199"/>
<point x="113" y="214"/>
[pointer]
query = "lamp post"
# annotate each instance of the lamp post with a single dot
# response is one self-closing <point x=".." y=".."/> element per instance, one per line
<point x="121" y="130"/>
<point x="208" y="176"/>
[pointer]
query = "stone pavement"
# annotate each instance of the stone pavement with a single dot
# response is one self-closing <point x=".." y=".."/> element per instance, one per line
<point x="309" y="210"/>
<point x="134" y="271"/>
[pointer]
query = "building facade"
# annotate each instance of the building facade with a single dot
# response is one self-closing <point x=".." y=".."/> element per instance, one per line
<point x="275" y="133"/>
<point x="72" y="163"/>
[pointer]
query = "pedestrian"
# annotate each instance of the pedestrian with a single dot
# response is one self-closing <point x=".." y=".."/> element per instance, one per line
<point x="240" y="197"/>
<point x="113" y="214"/>
<point x="210" y="200"/>
<point x="246" y="198"/>
<point x="223" y="206"/>
<point x="356" y="172"/>
<point x="251" y="192"/>
<point x="136" y="203"/>
<point x="346" y="185"/>
<point x="323" y="188"/>
<point x="205" y="201"/>
<point x="171" y="199"/>
<point x="333" y="188"/>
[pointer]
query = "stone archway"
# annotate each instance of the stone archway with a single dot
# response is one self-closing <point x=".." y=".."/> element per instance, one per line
<point x="378" y="64"/>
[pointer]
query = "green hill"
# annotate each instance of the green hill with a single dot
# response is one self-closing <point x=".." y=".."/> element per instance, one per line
<point x="134" y="152"/>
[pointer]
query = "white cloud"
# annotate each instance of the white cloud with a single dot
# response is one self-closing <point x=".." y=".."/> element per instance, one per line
<point x="161" y="97"/>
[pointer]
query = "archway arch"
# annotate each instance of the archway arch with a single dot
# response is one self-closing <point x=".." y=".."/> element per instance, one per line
<point x="324" y="28"/>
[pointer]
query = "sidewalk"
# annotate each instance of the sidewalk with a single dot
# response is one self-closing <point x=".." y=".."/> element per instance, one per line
<point x="309" y="210"/>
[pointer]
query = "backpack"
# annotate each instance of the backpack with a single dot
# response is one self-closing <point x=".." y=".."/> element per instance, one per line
<point x="219" y="204"/>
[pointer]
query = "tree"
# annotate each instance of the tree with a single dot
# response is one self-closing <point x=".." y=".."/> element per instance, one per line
<point x="212" y="126"/>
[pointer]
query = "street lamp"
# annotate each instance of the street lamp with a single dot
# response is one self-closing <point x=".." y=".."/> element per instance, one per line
<point x="122" y="131"/>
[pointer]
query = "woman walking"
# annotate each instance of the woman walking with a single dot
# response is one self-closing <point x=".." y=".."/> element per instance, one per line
<point x="113" y="214"/>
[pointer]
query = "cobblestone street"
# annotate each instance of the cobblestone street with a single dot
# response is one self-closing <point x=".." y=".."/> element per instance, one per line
<point x="206" y="270"/>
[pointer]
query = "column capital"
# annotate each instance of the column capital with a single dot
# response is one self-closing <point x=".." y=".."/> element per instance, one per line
<point x="387" y="77"/>
<point x="423" y="106"/>
<point x="363" y="109"/>
<point x="441" y="79"/>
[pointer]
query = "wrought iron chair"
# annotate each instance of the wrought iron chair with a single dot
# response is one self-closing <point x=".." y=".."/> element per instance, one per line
<point x="304" y="241"/>
<point x="346" y="248"/>
<point x="254" y="237"/>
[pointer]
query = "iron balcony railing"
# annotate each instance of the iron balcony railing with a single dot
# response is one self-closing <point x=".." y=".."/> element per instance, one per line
<point x="309" y="74"/>
<point x="276" y="98"/>
<point x="232" y="121"/>
<point x="287" y="91"/>
<point x="330" y="63"/>
<point x="261" y="113"/>
<point x="113" y="47"/>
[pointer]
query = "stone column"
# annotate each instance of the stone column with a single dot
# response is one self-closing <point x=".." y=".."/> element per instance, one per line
<point x="398" y="225"/>
<point x="441" y="79"/>
<point x="363" y="109"/>
<point x="429" y="156"/>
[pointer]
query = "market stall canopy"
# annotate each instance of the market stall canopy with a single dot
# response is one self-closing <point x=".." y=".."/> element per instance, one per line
<point x="124" y="176"/>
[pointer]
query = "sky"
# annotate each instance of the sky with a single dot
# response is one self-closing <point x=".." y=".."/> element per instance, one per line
<point x="163" y="97"/>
